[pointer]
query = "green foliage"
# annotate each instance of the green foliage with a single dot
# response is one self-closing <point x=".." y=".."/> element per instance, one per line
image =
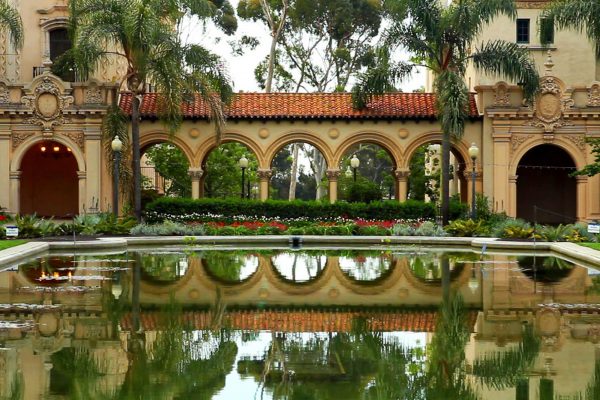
<point x="373" y="230"/>
<point x="10" y="20"/>
<point x="429" y="228"/>
<point x="172" y="164"/>
<point x="223" y="174"/>
<point x="514" y="229"/>
<point x="363" y="191"/>
<point x="195" y="210"/>
<point x="168" y="228"/>
<point x="467" y="228"/>
<point x="457" y="209"/>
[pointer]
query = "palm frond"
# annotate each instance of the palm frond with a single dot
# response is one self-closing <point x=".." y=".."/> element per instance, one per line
<point x="10" y="19"/>
<point x="581" y="15"/>
<point x="468" y="17"/>
<point x="452" y="103"/>
<point x="502" y="58"/>
<point x="115" y="124"/>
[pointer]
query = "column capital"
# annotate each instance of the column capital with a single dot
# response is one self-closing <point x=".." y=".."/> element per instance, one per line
<point x="264" y="174"/>
<point x="468" y="174"/>
<point x="195" y="173"/>
<point x="333" y="174"/>
<point x="402" y="174"/>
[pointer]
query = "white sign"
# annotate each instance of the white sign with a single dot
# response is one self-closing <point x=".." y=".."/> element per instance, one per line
<point x="593" y="228"/>
<point x="12" y="231"/>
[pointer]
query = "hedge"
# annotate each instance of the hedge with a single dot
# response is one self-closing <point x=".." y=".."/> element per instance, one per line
<point x="187" y="210"/>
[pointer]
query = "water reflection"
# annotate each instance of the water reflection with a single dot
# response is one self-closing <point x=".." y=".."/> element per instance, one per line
<point x="239" y="325"/>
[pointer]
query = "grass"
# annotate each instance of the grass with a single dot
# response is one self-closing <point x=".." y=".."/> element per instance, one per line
<point x="6" y="244"/>
<point x="595" y="246"/>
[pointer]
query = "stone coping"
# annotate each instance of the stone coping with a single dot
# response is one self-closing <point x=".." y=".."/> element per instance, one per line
<point x="570" y="251"/>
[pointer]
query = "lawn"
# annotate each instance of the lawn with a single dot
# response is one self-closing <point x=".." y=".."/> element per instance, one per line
<point x="595" y="246"/>
<point x="5" y="244"/>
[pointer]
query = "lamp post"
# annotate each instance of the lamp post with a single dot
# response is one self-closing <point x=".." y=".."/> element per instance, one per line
<point x="116" y="146"/>
<point x="354" y="163"/>
<point x="473" y="153"/>
<point x="243" y="163"/>
<point x="348" y="172"/>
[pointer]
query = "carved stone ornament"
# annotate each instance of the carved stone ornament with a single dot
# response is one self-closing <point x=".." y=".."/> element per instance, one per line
<point x="19" y="137"/>
<point x="77" y="137"/>
<point x="578" y="140"/>
<point x="4" y="93"/>
<point x="594" y="95"/>
<point x="501" y="95"/>
<point x="401" y="174"/>
<point x="47" y="104"/>
<point x="195" y="174"/>
<point x="517" y="140"/>
<point x="264" y="174"/>
<point x="333" y="174"/>
<point x="93" y="94"/>
<point x="550" y="105"/>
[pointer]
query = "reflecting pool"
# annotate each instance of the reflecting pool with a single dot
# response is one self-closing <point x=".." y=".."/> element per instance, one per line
<point x="378" y="323"/>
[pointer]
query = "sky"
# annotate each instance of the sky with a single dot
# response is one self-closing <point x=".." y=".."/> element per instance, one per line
<point x="241" y="68"/>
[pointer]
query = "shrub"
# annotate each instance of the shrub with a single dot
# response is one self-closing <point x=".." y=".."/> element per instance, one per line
<point x="429" y="228"/>
<point x="514" y="229"/>
<point x="226" y="231"/>
<point x="363" y="191"/>
<point x="187" y="210"/>
<point x="467" y="228"/>
<point x="168" y="228"/>
<point x="554" y="233"/>
<point x="403" y="230"/>
<point x="296" y="231"/>
<point x="456" y="209"/>
<point x="373" y="230"/>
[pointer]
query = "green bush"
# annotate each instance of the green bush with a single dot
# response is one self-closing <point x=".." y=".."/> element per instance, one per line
<point x="513" y="229"/>
<point x="467" y="228"/>
<point x="363" y="191"/>
<point x="429" y="228"/>
<point x="187" y="210"/>
<point x="403" y="230"/>
<point x="373" y="230"/>
<point x="456" y="209"/>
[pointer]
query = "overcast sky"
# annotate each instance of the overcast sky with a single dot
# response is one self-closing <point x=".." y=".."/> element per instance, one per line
<point x="241" y="68"/>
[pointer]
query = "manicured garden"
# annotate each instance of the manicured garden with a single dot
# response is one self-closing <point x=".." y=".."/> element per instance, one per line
<point x="235" y="217"/>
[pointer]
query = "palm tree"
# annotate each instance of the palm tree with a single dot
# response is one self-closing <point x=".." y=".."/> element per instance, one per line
<point x="442" y="39"/>
<point x="144" y="33"/>
<point x="582" y="15"/>
<point x="10" y="19"/>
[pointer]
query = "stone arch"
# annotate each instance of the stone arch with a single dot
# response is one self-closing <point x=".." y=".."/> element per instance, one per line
<point x="20" y="151"/>
<point x="299" y="137"/>
<point x="231" y="136"/>
<point x="577" y="155"/>
<point x="148" y="139"/>
<point x="459" y="146"/>
<point x="372" y="138"/>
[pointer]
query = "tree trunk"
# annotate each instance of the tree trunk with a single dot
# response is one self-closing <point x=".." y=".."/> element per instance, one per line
<point x="292" y="192"/>
<point x="445" y="198"/>
<point x="269" y="82"/>
<point x="319" y="173"/>
<point x="135" y="144"/>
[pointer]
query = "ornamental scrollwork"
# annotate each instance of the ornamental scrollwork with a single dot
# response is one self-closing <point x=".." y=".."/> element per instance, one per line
<point x="333" y="174"/>
<point x="19" y="137"/>
<point x="594" y="95"/>
<point x="47" y="104"/>
<point x="578" y="140"/>
<point x="550" y="105"/>
<point x="517" y="140"/>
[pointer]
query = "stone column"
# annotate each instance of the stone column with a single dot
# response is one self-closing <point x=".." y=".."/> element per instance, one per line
<point x="82" y="178"/>
<point x="196" y="175"/>
<point x="582" y="185"/>
<point x="264" y="176"/>
<point x="512" y="192"/>
<point x="332" y="176"/>
<point x="5" y="151"/>
<point x="500" y="172"/>
<point x="15" y="192"/>
<point x="402" y="184"/>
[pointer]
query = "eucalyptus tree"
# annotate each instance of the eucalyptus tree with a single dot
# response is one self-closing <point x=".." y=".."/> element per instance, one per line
<point x="145" y="34"/>
<point x="10" y="20"/>
<point x="444" y="40"/>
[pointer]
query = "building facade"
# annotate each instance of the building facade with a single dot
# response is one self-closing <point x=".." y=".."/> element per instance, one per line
<point x="51" y="148"/>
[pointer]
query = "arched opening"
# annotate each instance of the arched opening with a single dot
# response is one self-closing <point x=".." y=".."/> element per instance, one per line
<point x="545" y="191"/>
<point x="373" y="178"/>
<point x="223" y="172"/>
<point x="299" y="172"/>
<point x="424" y="181"/>
<point x="299" y="268"/>
<point x="164" y="168"/>
<point x="49" y="182"/>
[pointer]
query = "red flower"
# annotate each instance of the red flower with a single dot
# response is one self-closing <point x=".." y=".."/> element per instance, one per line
<point x="2" y="217"/>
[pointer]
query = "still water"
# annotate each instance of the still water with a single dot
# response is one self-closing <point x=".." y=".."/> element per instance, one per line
<point x="397" y="323"/>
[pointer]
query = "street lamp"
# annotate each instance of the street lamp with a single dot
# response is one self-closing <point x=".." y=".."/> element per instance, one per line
<point x="348" y="172"/>
<point x="116" y="146"/>
<point x="473" y="153"/>
<point x="354" y="163"/>
<point x="243" y="163"/>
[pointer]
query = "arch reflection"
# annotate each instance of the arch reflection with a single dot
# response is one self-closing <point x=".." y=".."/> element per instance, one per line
<point x="229" y="267"/>
<point x="163" y="268"/>
<point x="427" y="267"/>
<point x="299" y="267"/>
<point x="366" y="267"/>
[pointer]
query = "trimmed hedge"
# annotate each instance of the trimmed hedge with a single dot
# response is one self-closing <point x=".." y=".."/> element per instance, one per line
<point x="188" y="210"/>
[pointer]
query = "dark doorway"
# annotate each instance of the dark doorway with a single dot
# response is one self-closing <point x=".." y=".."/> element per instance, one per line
<point x="49" y="183"/>
<point x="544" y="184"/>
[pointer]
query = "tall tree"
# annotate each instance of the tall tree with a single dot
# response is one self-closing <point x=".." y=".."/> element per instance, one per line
<point x="144" y="33"/>
<point x="10" y="20"/>
<point x="442" y="38"/>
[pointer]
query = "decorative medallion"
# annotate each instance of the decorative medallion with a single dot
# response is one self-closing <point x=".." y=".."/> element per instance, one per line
<point x="47" y="104"/>
<point x="578" y="140"/>
<point x="20" y="137"/>
<point x="594" y="95"/>
<point x="93" y="95"/>
<point x="4" y="93"/>
<point x="403" y="133"/>
<point x="194" y="133"/>
<point x="263" y="133"/>
<point x="550" y="105"/>
<point x="333" y="133"/>
<point x="501" y="95"/>
<point x="518" y="140"/>
<point x="77" y="137"/>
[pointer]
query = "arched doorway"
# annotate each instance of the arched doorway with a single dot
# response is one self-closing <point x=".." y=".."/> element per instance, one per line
<point x="49" y="182"/>
<point x="545" y="191"/>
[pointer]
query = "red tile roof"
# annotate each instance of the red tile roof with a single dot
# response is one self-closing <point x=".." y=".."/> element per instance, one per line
<point x="301" y="321"/>
<point x="306" y="106"/>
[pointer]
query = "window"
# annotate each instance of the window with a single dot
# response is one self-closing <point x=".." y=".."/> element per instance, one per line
<point x="59" y="43"/>
<point x="547" y="30"/>
<point x="523" y="30"/>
